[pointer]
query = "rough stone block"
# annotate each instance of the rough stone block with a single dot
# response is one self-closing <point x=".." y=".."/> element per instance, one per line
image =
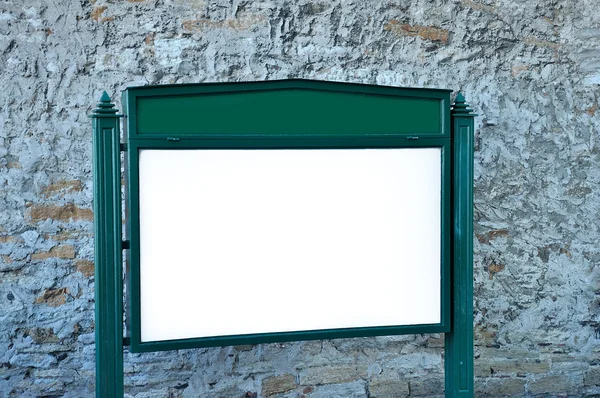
<point x="33" y="360"/>
<point x="62" y="187"/>
<point x="64" y="213"/>
<point x="553" y="384"/>
<point x="498" y="367"/>
<point x="427" y="386"/>
<point x="500" y="387"/>
<point x="63" y="251"/>
<point x="86" y="267"/>
<point x="347" y="390"/>
<point x="388" y="387"/>
<point x="278" y="384"/>
<point x="592" y="377"/>
<point x="332" y="374"/>
<point x="426" y="32"/>
<point x="53" y="297"/>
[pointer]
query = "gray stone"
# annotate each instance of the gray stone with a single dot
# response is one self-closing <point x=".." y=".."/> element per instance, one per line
<point x="530" y="69"/>
<point x="592" y="377"/>
<point x="426" y="386"/>
<point x="33" y="360"/>
<point x="553" y="384"/>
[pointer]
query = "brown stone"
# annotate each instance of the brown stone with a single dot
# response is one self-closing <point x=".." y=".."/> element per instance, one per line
<point x="97" y="12"/>
<point x="278" y="384"/>
<point x="53" y="297"/>
<point x="149" y="39"/>
<point x="498" y="233"/>
<point x="65" y="213"/>
<point x="510" y="367"/>
<point x="426" y="32"/>
<point x="62" y="187"/>
<point x="86" y="267"/>
<point x="500" y="387"/>
<point x="388" y="387"/>
<point x="506" y="354"/>
<point x="518" y="69"/>
<point x="42" y="335"/>
<point x="481" y="238"/>
<point x="540" y="43"/>
<point x="63" y="251"/>
<point x="494" y="268"/>
<point x="332" y="375"/>
<point x="8" y="239"/>
<point x="592" y="110"/>
<point x="65" y="235"/>
<point x="241" y="23"/>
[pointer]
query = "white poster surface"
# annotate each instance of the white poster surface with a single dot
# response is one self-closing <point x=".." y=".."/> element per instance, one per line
<point x="258" y="241"/>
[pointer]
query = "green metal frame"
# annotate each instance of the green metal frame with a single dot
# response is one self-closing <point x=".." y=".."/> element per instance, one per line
<point x="459" y="341"/>
<point x="108" y="250"/>
<point x="298" y="114"/>
<point x="134" y="277"/>
<point x="315" y="115"/>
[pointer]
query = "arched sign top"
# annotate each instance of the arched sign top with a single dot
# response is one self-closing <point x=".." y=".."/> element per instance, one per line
<point x="286" y="107"/>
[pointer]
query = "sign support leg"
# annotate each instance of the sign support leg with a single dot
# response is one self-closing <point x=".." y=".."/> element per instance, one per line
<point x="107" y="250"/>
<point x="459" y="341"/>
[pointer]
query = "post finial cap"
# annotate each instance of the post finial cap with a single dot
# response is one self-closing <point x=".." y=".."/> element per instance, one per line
<point x="105" y="106"/>
<point x="105" y="97"/>
<point x="460" y="106"/>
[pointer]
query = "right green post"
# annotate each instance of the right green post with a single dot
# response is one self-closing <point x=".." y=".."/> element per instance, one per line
<point x="459" y="341"/>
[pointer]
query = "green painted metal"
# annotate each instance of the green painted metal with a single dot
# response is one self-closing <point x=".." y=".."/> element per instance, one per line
<point x="278" y="143"/>
<point x="324" y="112"/>
<point x="107" y="250"/>
<point x="156" y="122"/>
<point x="459" y="341"/>
<point x="389" y="132"/>
<point x="285" y="108"/>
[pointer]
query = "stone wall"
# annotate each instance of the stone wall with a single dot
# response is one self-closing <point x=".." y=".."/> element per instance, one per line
<point x="531" y="69"/>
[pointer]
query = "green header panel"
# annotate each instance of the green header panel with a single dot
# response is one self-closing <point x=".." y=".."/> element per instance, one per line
<point x="321" y="112"/>
<point x="286" y="107"/>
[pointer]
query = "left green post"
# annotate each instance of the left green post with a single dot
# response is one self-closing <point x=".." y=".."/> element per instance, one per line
<point x="108" y="250"/>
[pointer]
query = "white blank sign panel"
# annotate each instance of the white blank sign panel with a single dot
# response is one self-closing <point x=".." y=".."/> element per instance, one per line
<point x="258" y="241"/>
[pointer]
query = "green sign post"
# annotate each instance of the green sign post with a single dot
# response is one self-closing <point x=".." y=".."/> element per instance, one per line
<point x="459" y="341"/>
<point x="108" y="250"/>
<point x="397" y="162"/>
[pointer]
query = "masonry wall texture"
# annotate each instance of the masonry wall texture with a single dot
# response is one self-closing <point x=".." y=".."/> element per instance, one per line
<point x="531" y="69"/>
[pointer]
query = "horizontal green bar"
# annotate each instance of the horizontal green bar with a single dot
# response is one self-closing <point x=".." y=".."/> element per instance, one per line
<point x="277" y="142"/>
<point x="223" y="341"/>
<point x="288" y="111"/>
